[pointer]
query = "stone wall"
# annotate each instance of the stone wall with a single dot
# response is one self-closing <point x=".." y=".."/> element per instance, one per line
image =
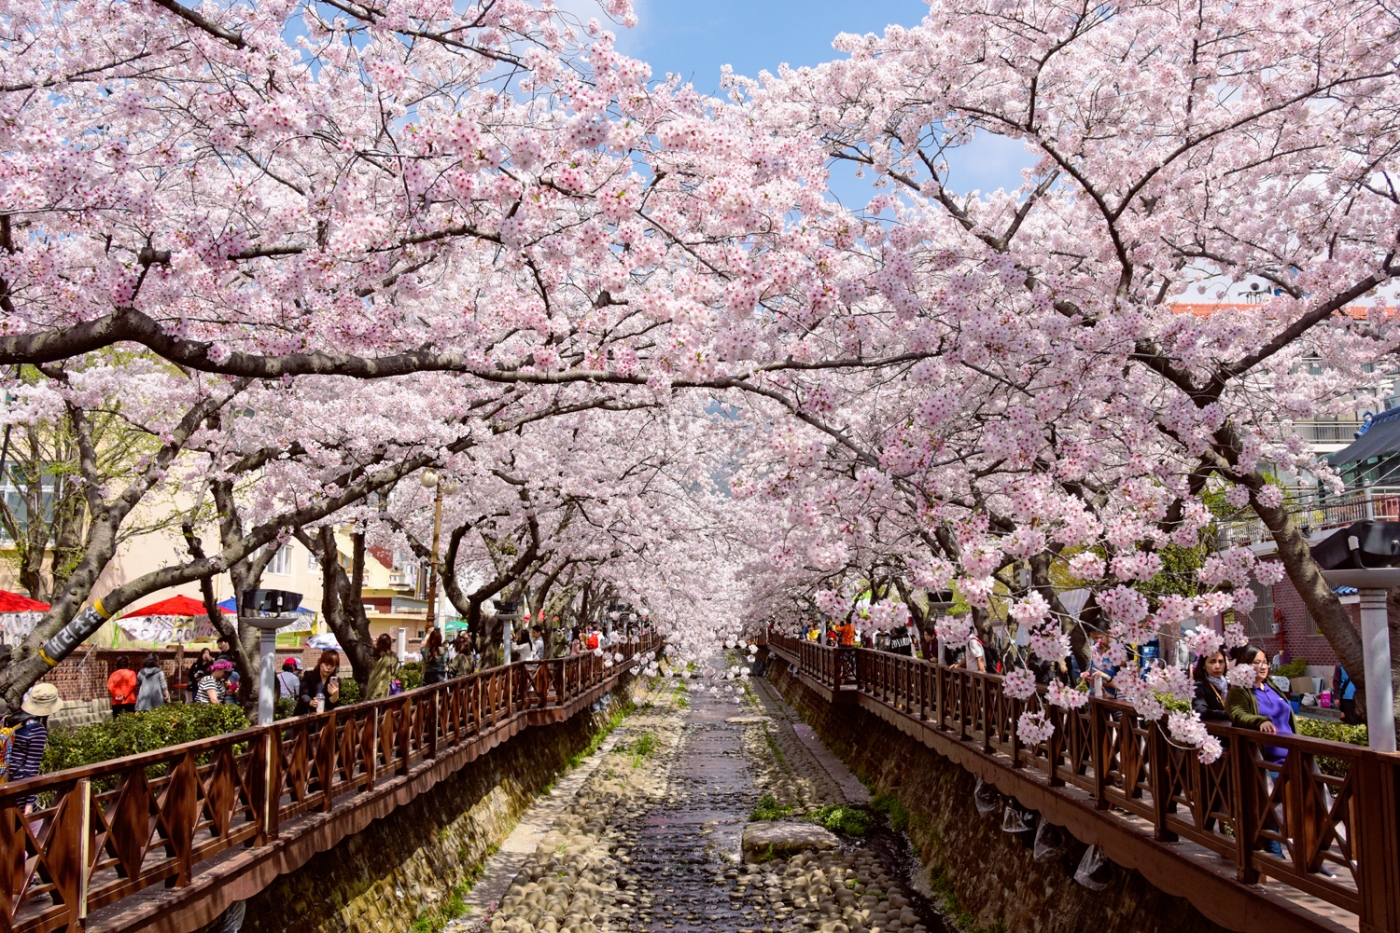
<point x="989" y="878"/>
<point x="406" y="864"/>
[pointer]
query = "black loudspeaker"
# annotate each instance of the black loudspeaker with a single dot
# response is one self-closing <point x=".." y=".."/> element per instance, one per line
<point x="1358" y="546"/>
<point x="276" y="602"/>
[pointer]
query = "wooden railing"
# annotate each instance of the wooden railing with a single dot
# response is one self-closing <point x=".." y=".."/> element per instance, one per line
<point x="104" y="832"/>
<point x="1338" y="833"/>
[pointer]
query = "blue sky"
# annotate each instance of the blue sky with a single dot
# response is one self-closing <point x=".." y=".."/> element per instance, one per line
<point x="695" y="38"/>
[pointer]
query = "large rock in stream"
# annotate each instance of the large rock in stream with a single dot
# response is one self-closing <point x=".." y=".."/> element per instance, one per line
<point x="781" y="839"/>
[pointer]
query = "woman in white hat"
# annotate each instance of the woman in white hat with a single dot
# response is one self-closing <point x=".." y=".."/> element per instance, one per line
<point x="32" y="735"/>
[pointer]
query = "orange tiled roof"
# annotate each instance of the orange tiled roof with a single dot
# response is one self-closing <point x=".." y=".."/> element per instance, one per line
<point x="1206" y="309"/>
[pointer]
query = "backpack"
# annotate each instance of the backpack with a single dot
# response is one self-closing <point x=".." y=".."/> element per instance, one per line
<point x="592" y="641"/>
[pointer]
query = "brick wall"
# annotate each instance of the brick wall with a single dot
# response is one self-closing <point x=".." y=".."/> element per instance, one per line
<point x="83" y="674"/>
<point x="1298" y="629"/>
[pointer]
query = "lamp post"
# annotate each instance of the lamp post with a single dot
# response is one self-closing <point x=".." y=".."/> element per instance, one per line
<point x="268" y="611"/>
<point x="1374" y="584"/>
<point x="430" y="480"/>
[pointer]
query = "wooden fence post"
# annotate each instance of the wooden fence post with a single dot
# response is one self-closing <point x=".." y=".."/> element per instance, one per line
<point x="1375" y="825"/>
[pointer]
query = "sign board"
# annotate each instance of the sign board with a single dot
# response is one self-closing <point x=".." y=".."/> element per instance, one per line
<point x="166" y="630"/>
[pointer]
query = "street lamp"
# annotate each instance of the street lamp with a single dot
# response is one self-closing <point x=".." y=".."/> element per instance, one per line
<point x="268" y="611"/>
<point x="1364" y="555"/>
<point x="430" y="480"/>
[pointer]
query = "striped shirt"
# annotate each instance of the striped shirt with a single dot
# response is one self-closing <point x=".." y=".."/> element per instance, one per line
<point x="207" y="683"/>
<point x="27" y="752"/>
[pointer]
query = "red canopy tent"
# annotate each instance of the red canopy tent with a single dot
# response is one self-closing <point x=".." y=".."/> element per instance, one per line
<point x="177" y="619"/>
<point x="14" y="602"/>
<point x="174" y="606"/>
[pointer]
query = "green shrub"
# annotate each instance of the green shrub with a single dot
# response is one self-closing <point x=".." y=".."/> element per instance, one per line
<point x="843" y="819"/>
<point x="768" y="809"/>
<point x="889" y="805"/>
<point x="349" y="691"/>
<point x="1333" y="732"/>
<point x="1298" y="667"/>
<point x="172" y="724"/>
<point x="411" y="674"/>
<point x="283" y="707"/>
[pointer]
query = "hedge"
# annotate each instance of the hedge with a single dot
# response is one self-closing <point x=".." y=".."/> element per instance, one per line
<point x="1335" y="732"/>
<point x="133" y="733"/>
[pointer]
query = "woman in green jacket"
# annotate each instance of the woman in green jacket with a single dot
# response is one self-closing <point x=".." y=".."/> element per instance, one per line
<point x="381" y="676"/>
<point x="1261" y="706"/>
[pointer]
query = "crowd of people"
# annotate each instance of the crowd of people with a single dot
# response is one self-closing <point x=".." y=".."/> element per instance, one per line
<point x="1264" y="707"/>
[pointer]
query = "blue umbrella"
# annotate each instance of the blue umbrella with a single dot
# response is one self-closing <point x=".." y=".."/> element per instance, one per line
<point x="232" y="604"/>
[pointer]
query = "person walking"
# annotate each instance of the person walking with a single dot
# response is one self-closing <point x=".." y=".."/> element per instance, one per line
<point x="434" y="658"/>
<point x="213" y="684"/>
<point x="975" y="655"/>
<point x="289" y="679"/>
<point x="320" y="688"/>
<point x="537" y="643"/>
<point x="151" y="689"/>
<point x="846" y="633"/>
<point x="381" y="675"/>
<point x="462" y="663"/>
<point x="1262" y="707"/>
<point x="1344" y="689"/>
<point x="522" y="650"/>
<point x="1211" y="688"/>
<point x="121" y="687"/>
<point x="31" y="737"/>
<point x="575" y="642"/>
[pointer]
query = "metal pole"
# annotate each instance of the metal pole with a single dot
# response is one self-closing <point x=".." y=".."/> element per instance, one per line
<point x="1375" y="643"/>
<point x="267" y="676"/>
<point x="401" y="643"/>
<point x="433" y="562"/>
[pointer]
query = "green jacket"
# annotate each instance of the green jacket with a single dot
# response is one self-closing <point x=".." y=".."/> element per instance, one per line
<point x="381" y="676"/>
<point x="1244" y="708"/>
<point x="460" y="665"/>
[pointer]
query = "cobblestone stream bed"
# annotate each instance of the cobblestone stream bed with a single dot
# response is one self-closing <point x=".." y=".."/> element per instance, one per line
<point x="648" y="837"/>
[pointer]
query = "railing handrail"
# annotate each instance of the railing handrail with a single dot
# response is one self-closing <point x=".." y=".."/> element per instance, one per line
<point x="39" y="783"/>
<point x="93" y="847"/>
<point x="1326" y="747"/>
<point x="1235" y="807"/>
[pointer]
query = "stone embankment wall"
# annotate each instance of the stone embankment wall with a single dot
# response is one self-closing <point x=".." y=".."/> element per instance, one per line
<point x="988" y="879"/>
<point x="406" y="864"/>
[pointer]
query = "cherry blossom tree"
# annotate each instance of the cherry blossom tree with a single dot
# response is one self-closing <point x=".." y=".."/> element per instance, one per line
<point x="1068" y="410"/>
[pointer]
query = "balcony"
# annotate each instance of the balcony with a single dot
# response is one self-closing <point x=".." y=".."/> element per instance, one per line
<point x="1327" y="432"/>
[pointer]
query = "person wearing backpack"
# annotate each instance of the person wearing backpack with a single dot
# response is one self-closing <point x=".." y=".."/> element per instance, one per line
<point x="151" y="690"/>
<point x="289" y="680"/>
<point x="1345" y="690"/>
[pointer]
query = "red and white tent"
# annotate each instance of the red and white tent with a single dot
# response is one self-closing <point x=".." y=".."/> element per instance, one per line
<point x="19" y="614"/>
<point x="176" y="619"/>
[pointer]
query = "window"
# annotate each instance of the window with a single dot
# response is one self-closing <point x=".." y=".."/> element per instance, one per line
<point x="281" y="563"/>
<point x="1261" y="618"/>
<point x="15" y="497"/>
<point x="311" y="563"/>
